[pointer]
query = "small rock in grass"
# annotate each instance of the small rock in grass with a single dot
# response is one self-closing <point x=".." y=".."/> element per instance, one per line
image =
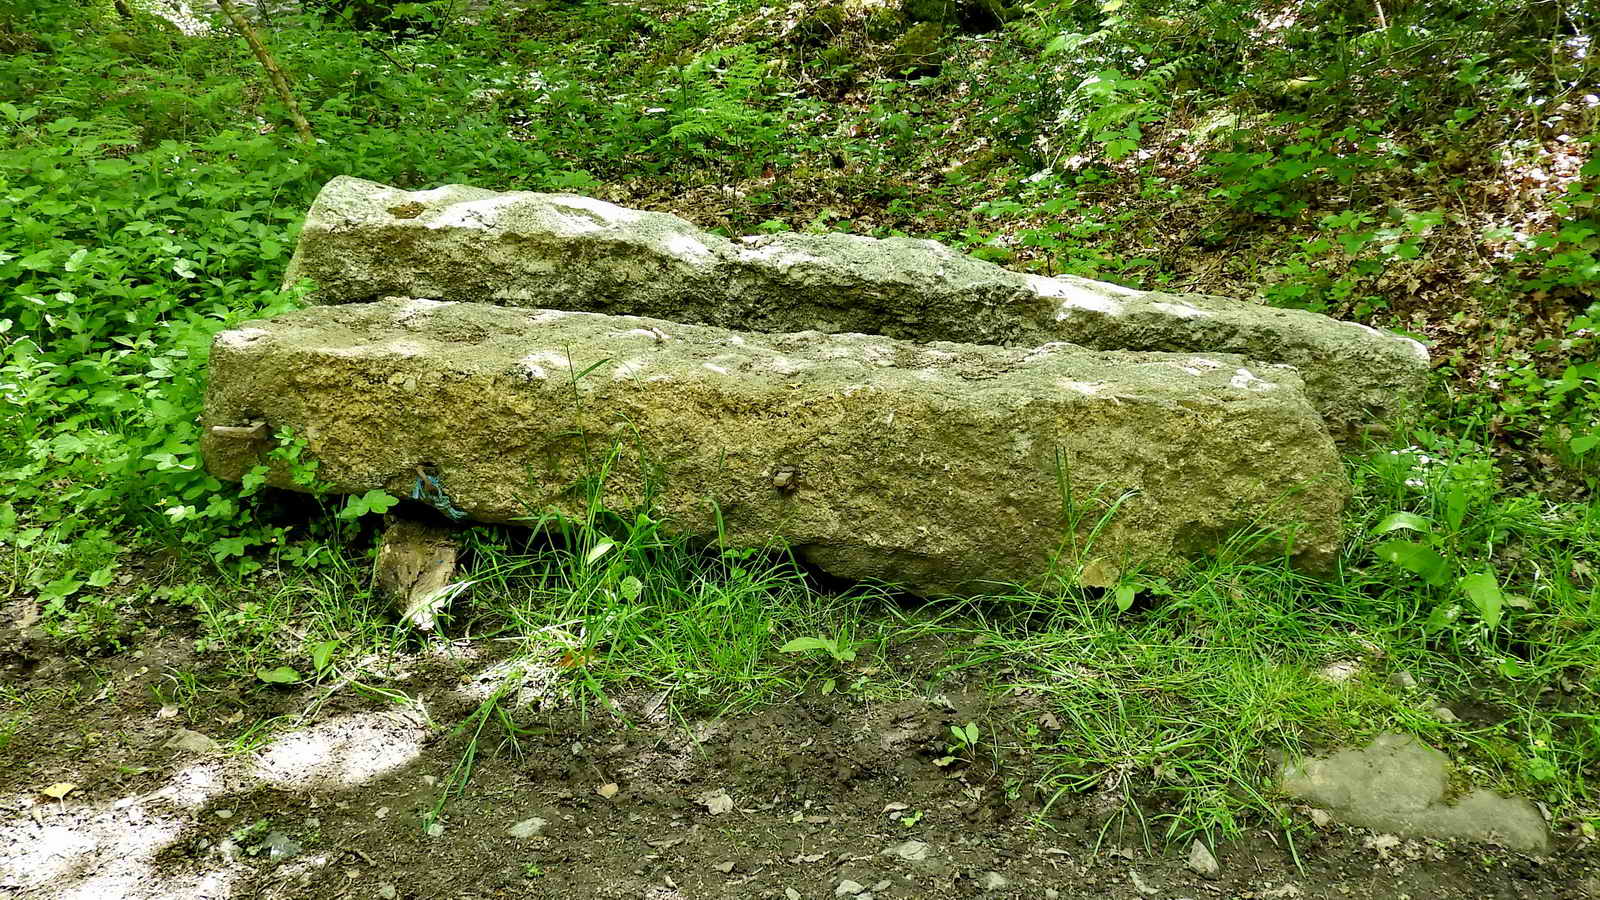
<point x="1403" y="680"/>
<point x="725" y="867"/>
<point x="1445" y="714"/>
<point x="993" y="881"/>
<point x="191" y="742"/>
<point x="1321" y="817"/>
<point x="1202" y="861"/>
<point x="279" y="845"/>
<point x="1401" y="785"/>
<point x="416" y="564"/>
<point x="1383" y="844"/>
<point x="911" y="851"/>
<point x="848" y="888"/>
<point x="883" y="885"/>
<point x="527" y="828"/>
<point x="1052" y="894"/>
<point x="791" y="893"/>
<point x="387" y="891"/>
<point x="716" y="802"/>
<point x="1339" y="671"/>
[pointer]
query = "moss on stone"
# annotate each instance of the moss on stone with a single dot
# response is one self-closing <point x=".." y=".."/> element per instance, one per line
<point x="917" y="51"/>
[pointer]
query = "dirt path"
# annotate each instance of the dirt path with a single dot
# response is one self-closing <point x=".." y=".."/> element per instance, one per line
<point x="820" y="797"/>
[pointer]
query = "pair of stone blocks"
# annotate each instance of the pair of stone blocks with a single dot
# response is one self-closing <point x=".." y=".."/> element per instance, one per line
<point x="888" y="409"/>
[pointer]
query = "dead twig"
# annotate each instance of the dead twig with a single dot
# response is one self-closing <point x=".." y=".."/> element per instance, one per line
<point x="275" y="74"/>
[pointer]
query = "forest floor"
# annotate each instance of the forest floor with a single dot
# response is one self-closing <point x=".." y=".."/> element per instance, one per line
<point x="349" y="791"/>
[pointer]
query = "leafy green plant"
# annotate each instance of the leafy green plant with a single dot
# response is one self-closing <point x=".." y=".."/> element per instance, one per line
<point x="1561" y="407"/>
<point x="838" y="648"/>
<point x="322" y="655"/>
<point x="370" y="503"/>
<point x="282" y="675"/>
<point x="1447" y="550"/>
<point x="962" y="744"/>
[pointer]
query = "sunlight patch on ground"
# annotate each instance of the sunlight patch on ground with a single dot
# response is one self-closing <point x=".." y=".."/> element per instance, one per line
<point x="76" y="851"/>
<point x="530" y="679"/>
<point x="340" y="752"/>
<point x="86" y="849"/>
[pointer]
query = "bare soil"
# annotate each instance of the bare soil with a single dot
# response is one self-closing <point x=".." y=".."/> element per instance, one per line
<point x="816" y="797"/>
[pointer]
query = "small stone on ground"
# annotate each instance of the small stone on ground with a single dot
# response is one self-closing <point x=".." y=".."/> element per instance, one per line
<point x="191" y="742"/>
<point x="1202" y="861"/>
<point x="912" y="851"/>
<point x="527" y="828"/>
<point x="1398" y="784"/>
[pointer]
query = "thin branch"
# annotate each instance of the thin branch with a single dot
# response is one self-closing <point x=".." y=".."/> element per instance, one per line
<point x="274" y="73"/>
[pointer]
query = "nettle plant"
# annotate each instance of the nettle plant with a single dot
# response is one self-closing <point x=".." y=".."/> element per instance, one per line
<point x="1450" y="544"/>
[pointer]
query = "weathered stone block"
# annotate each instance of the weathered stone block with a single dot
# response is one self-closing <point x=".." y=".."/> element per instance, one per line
<point x="363" y="240"/>
<point x="941" y="466"/>
<point x="1400" y="784"/>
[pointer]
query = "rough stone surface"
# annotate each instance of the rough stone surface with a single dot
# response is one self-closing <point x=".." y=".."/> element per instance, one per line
<point x="1401" y="785"/>
<point x="1201" y="860"/>
<point x="362" y="241"/>
<point x="528" y="828"/>
<point x="416" y="565"/>
<point x="940" y="467"/>
<point x="192" y="742"/>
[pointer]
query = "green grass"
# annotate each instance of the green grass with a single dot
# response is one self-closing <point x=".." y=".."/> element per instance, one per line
<point x="1180" y="704"/>
<point x="615" y="600"/>
<point x="1177" y="706"/>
